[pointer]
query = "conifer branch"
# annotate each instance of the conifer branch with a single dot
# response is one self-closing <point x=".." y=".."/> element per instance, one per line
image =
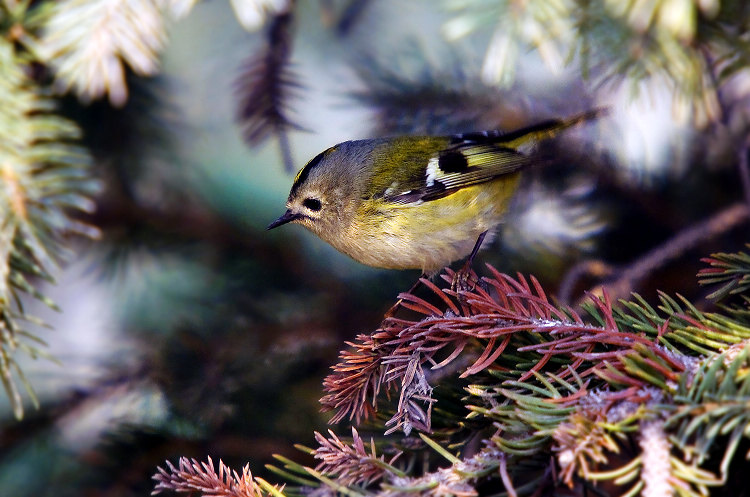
<point x="191" y="476"/>
<point x="640" y="396"/>
<point x="265" y="86"/>
<point x="89" y="43"/>
<point x="625" y="43"/>
<point x="352" y="464"/>
<point x="43" y="180"/>
<point x="516" y="314"/>
<point x="628" y="279"/>
<point x="732" y="271"/>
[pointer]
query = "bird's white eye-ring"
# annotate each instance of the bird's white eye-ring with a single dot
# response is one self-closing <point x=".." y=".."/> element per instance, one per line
<point x="312" y="203"/>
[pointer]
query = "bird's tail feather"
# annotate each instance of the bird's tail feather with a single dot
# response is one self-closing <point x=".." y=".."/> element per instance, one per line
<point x="531" y="134"/>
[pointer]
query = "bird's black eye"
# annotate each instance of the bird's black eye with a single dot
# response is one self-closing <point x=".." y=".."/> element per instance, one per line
<point x="312" y="203"/>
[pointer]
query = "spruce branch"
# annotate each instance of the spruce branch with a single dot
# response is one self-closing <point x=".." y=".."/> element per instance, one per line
<point x="684" y="44"/>
<point x="43" y="181"/>
<point x="506" y="323"/>
<point x="191" y="476"/>
<point x="265" y="86"/>
<point x="89" y="43"/>
<point x="666" y="48"/>
<point x="625" y="365"/>
<point x="351" y="464"/>
<point x="643" y="397"/>
<point x="732" y="271"/>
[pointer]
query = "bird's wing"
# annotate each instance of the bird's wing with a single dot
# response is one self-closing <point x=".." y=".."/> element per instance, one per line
<point x="467" y="159"/>
<point x="457" y="167"/>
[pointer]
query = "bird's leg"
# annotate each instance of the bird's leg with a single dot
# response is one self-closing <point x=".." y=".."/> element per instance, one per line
<point x="475" y="250"/>
<point x="462" y="278"/>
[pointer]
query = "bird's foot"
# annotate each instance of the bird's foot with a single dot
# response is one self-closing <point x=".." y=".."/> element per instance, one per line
<point x="465" y="279"/>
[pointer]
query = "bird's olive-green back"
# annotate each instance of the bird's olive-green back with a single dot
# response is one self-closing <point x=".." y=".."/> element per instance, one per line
<point x="411" y="169"/>
<point x="399" y="164"/>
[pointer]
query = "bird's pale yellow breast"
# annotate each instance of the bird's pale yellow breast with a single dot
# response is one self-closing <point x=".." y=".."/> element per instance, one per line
<point x="426" y="235"/>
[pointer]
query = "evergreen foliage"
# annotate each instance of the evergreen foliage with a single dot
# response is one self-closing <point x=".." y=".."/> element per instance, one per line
<point x="44" y="177"/>
<point x="622" y="399"/>
<point x="87" y="46"/>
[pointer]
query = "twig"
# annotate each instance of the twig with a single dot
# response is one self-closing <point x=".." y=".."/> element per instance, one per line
<point x="505" y="477"/>
<point x="286" y="150"/>
<point x="635" y="273"/>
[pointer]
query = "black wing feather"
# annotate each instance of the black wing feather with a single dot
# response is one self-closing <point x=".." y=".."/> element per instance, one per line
<point x="482" y="163"/>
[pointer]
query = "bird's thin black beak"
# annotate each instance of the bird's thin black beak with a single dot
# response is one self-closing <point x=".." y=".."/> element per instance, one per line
<point x="287" y="217"/>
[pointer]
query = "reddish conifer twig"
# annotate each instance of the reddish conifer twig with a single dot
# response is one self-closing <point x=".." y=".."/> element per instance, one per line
<point x="356" y="379"/>
<point x="191" y="476"/>
<point x="350" y="464"/>
<point x="482" y="323"/>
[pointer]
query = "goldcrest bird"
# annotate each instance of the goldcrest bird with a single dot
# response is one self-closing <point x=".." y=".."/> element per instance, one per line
<point x="414" y="202"/>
